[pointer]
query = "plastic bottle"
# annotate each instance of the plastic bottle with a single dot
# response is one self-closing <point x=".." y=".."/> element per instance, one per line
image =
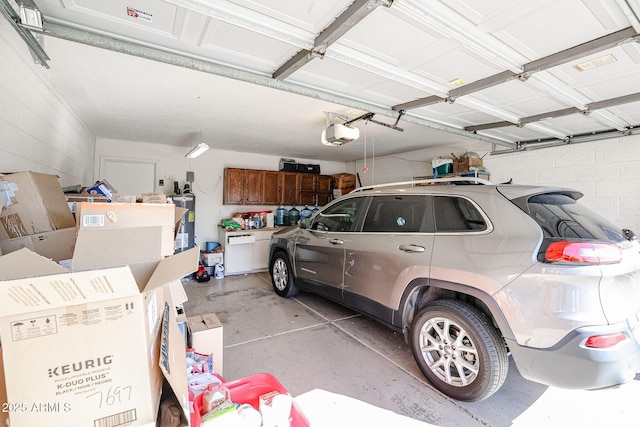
<point x="306" y="212"/>
<point x="294" y="215"/>
<point x="281" y="216"/>
<point x="257" y="222"/>
<point x="214" y="396"/>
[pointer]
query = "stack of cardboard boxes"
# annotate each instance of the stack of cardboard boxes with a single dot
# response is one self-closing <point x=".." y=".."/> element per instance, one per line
<point x="95" y="343"/>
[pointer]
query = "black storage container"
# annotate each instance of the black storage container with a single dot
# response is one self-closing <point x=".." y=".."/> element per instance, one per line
<point x="288" y="165"/>
<point x="308" y="168"/>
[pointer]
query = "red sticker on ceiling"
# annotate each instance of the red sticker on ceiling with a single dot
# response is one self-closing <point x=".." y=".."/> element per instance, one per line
<point x="138" y="14"/>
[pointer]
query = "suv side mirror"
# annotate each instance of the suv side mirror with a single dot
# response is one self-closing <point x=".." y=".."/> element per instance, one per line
<point x="304" y="223"/>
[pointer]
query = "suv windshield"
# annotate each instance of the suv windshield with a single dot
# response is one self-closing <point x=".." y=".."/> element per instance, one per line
<point x="560" y="216"/>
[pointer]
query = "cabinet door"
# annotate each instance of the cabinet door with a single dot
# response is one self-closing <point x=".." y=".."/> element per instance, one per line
<point x="324" y="184"/>
<point x="306" y="198"/>
<point x="289" y="188"/>
<point x="308" y="182"/>
<point x="253" y="186"/>
<point x="271" y="188"/>
<point x="233" y="190"/>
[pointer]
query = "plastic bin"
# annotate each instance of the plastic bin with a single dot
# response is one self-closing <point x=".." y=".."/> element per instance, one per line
<point x="442" y="166"/>
<point x="248" y="390"/>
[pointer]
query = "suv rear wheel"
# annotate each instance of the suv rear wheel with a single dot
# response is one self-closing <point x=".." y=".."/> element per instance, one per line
<point x="282" y="276"/>
<point x="458" y="350"/>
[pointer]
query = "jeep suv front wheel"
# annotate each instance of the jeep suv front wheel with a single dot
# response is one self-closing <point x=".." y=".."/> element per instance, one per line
<point x="458" y="350"/>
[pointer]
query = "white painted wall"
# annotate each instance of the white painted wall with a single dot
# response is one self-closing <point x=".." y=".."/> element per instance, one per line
<point x="607" y="172"/>
<point x="38" y="131"/>
<point x="171" y="165"/>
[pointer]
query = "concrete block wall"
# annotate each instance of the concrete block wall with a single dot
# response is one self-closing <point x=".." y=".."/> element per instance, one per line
<point x="38" y="131"/>
<point x="607" y="173"/>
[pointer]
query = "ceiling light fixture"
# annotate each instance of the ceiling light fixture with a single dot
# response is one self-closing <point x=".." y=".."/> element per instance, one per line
<point x="197" y="150"/>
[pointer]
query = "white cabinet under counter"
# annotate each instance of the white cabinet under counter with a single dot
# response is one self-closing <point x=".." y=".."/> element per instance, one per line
<point x="246" y="251"/>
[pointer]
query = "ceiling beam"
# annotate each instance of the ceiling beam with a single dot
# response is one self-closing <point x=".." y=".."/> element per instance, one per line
<point x="578" y="51"/>
<point x="581" y="50"/>
<point x="16" y="22"/>
<point x="356" y="12"/>
<point x="620" y="100"/>
<point x="156" y="53"/>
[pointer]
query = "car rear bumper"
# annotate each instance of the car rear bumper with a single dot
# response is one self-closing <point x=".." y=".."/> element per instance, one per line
<point x="571" y="365"/>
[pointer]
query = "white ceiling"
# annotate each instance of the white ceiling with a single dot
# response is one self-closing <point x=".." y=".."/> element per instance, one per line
<point x="223" y="90"/>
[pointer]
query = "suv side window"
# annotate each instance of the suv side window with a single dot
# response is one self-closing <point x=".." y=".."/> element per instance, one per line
<point x="340" y="217"/>
<point x="455" y="214"/>
<point x="393" y="214"/>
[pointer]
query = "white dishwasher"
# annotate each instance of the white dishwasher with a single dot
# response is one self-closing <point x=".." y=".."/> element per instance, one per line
<point x="238" y="253"/>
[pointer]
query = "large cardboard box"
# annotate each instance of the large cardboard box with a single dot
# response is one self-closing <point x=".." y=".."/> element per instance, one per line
<point x="206" y="338"/>
<point x="33" y="203"/>
<point x="463" y="165"/>
<point x="90" y="348"/>
<point x="343" y="180"/>
<point x="57" y="245"/>
<point x="98" y="217"/>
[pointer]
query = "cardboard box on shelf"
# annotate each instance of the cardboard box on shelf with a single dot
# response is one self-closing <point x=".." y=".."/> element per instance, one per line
<point x="57" y="245"/>
<point x="343" y="180"/>
<point x="463" y="164"/>
<point x="33" y="203"/>
<point x="206" y="338"/>
<point x="114" y="332"/>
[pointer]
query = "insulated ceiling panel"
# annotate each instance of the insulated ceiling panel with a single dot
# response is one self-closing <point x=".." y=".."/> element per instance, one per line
<point x="449" y="70"/>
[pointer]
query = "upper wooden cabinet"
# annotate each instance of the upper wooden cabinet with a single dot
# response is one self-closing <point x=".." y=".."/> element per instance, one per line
<point x="314" y="189"/>
<point x="243" y="186"/>
<point x="262" y="187"/>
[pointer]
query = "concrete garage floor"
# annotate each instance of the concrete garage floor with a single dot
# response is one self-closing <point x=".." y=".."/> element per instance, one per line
<point x="344" y="369"/>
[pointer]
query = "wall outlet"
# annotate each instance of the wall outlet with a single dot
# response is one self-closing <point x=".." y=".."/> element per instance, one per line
<point x="161" y="182"/>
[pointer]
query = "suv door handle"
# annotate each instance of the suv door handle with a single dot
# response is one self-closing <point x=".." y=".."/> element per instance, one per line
<point x="336" y="241"/>
<point x="412" y="248"/>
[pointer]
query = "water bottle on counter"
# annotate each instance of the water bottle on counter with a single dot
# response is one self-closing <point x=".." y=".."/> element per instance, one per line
<point x="257" y="221"/>
<point x="281" y="216"/>
<point x="306" y="212"/>
<point x="294" y="215"/>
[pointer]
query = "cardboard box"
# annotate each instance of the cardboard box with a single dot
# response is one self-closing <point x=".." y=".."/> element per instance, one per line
<point x="343" y="180"/>
<point x="154" y="198"/>
<point x="90" y="347"/>
<point x="33" y="203"/>
<point x="57" y="245"/>
<point x="123" y="198"/>
<point x="93" y="217"/>
<point x="206" y="338"/>
<point x="463" y="165"/>
<point x="102" y="188"/>
<point x="210" y="259"/>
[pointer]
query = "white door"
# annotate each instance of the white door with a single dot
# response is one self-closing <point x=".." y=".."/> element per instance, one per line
<point x="130" y="177"/>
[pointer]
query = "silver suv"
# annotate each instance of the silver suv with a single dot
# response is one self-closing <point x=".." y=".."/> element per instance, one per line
<point x="474" y="273"/>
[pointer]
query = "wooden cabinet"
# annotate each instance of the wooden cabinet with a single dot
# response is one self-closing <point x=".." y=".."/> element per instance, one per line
<point x="314" y="189"/>
<point x="271" y="192"/>
<point x="289" y="193"/>
<point x="243" y="186"/>
<point x="262" y="187"/>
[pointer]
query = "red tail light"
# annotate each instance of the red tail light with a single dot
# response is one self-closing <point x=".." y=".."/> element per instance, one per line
<point x="583" y="252"/>
<point x="604" y="341"/>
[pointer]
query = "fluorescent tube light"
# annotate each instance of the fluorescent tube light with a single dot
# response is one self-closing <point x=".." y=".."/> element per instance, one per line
<point x="197" y="150"/>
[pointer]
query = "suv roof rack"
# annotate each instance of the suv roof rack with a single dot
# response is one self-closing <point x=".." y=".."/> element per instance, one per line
<point x="415" y="182"/>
